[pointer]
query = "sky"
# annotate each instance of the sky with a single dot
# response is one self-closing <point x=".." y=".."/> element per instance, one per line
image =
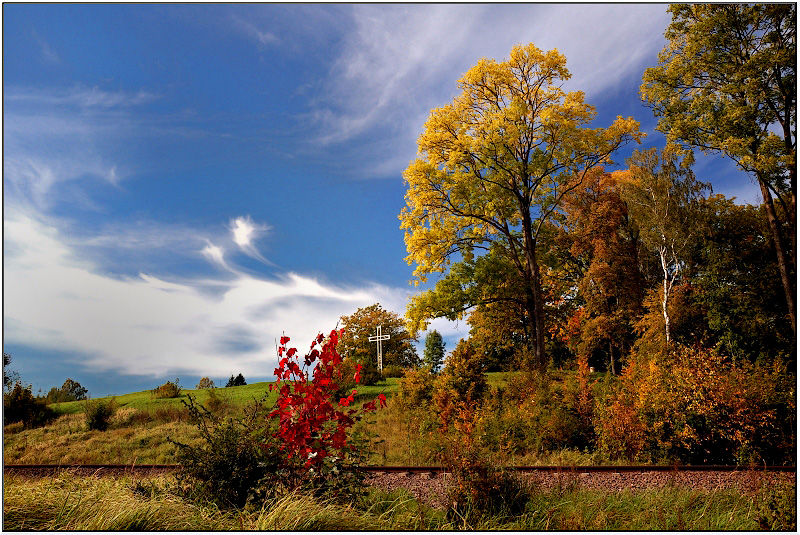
<point x="182" y="184"/>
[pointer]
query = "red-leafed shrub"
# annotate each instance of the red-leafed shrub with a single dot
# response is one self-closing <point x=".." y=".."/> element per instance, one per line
<point x="312" y="427"/>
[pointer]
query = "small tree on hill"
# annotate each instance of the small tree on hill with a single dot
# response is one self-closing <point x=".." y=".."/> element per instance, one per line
<point x="354" y="343"/>
<point x="205" y="382"/>
<point x="19" y="405"/>
<point x="236" y="381"/>
<point x="69" y="391"/>
<point x="10" y="377"/>
<point x="434" y="351"/>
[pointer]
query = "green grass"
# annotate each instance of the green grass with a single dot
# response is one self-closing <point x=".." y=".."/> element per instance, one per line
<point x="237" y="395"/>
<point x="69" y="502"/>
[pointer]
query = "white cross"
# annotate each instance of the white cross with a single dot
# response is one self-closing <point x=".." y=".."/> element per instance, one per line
<point x="379" y="338"/>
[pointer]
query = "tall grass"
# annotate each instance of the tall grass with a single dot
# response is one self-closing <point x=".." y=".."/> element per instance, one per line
<point x="69" y="502"/>
<point x="72" y="503"/>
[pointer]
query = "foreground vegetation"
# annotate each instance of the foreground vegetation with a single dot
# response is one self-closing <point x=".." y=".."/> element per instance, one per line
<point x="69" y="502"/>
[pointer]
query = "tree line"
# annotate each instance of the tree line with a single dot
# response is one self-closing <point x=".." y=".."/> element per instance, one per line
<point x="551" y="255"/>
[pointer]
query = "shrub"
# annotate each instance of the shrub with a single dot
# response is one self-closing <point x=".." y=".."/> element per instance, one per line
<point x="697" y="407"/>
<point x="167" y="390"/>
<point x="478" y="489"/>
<point x="392" y="371"/>
<point x="416" y="388"/>
<point x="99" y="413"/>
<point x="312" y="428"/>
<point x="236" y="381"/>
<point x="533" y="414"/>
<point x="777" y="507"/>
<point x="236" y="461"/>
<point x="216" y="402"/>
<point x="205" y="382"/>
<point x="19" y="405"/>
<point x="462" y="383"/>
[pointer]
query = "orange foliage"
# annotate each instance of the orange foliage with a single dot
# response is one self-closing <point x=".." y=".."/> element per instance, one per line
<point x="695" y="406"/>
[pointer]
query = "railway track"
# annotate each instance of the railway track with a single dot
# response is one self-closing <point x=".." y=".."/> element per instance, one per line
<point x="166" y="468"/>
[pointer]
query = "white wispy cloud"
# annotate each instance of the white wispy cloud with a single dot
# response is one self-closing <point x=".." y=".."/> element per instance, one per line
<point x="250" y="29"/>
<point x="151" y="325"/>
<point x="80" y="96"/>
<point x="398" y="62"/>
<point x="244" y="232"/>
<point x="58" y="136"/>
<point x="48" y="53"/>
<point x="215" y="255"/>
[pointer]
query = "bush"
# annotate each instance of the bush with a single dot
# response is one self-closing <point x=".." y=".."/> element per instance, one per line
<point x="777" y="507"/>
<point x="416" y="388"/>
<point x="236" y="381"/>
<point x="236" y="461"/>
<point x="695" y="406"/>
<point x="392" y="371"/>
<point x="534" y="414"/>
<point x="205" y="382"/>
<point x="19" y="405"/>
<point x="478" y="489"/>
<point x="462" y="383"/>
<point x="99" y="413"/>
<point x="313" y="429"/>
<point x="216" y="402"/>
<point x="167" y="390"/>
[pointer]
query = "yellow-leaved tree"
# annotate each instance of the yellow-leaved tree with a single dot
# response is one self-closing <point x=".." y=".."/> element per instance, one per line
<point x="493" y="166"/>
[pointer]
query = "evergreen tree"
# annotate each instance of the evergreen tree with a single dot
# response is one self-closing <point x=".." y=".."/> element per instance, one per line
<point x="434" y="351"/>
<point x="236" y="381"/>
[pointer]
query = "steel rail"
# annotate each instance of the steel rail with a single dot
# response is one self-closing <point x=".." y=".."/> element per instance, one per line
<point x="418" y="469"/>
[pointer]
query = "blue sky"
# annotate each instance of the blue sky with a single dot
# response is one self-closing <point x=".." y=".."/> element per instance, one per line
<point x="182" y="183"/>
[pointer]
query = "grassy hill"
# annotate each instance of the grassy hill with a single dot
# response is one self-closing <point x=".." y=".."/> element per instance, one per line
<point x="139" y="429"/>
<point x="144" y="401"/>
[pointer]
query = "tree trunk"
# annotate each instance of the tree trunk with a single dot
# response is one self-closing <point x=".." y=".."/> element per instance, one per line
<point x="662" y="253"/>
<point x="536" y="287"/>
<point x="538" y="300"/>
<point x="779" y="250"/>
<point x="611" y="356"/>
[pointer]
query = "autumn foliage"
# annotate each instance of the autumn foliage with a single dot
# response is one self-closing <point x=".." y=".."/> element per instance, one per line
<point x="698" y="407"/>
<point x="312" y="427"/>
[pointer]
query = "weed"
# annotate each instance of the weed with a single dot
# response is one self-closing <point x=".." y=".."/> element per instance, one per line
<point x="777" y="507"/>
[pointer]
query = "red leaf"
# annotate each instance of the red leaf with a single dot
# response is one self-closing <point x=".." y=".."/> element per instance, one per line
<point x="284" y="339"/>
<point x="382" y="400"/>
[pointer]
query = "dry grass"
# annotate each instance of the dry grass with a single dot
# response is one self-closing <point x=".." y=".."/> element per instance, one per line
<point x="72" y="503"/>
<point x="67" y="502"/>
<point x="67" y="441"/>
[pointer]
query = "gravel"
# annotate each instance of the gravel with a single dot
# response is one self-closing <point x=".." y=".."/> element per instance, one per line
<point x="431" y="489"/>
